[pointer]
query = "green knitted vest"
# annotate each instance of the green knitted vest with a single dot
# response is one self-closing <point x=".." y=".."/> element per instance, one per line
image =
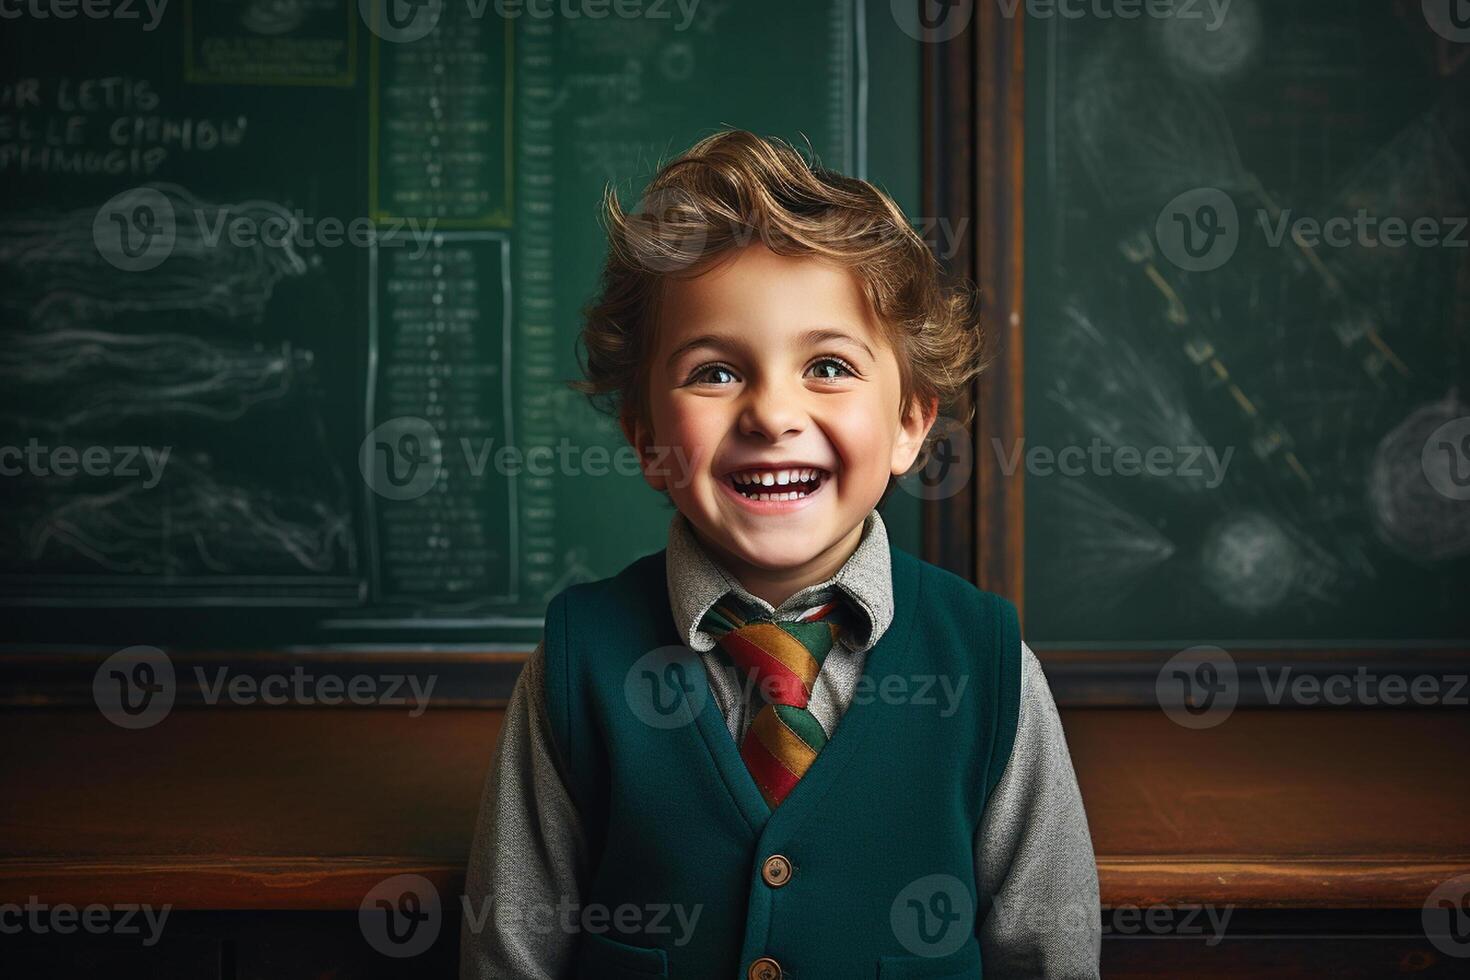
<point x="878" y="838"/>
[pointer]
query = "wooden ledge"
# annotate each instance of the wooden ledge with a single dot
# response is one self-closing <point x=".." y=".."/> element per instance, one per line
<point x="308" y="809"/>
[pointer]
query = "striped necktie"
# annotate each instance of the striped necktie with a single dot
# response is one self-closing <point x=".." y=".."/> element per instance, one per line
<point x="782" y="659"/>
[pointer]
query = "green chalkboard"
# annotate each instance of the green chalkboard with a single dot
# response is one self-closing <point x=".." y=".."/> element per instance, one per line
<point x="1200" y="287"/>
<point x="329" y="256"/>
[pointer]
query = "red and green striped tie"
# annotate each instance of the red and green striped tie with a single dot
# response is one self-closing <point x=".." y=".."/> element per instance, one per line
<point x="782" y="659"/>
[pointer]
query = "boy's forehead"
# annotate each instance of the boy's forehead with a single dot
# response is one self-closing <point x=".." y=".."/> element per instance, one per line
<point x="758" y="293"/>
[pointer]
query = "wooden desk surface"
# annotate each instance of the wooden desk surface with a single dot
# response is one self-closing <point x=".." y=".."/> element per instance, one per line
<point x="308" y="809"/>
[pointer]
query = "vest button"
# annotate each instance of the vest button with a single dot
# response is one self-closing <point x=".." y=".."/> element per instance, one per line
<point x="776" y="870"/>
<point x="764" y="968"/>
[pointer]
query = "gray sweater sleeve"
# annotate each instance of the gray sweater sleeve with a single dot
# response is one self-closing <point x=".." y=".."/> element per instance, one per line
<point x="529" y="855"/>
<point x="1033" y="853"/>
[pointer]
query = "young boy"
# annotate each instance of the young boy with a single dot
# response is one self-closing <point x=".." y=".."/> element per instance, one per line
<point x="780" y="747"/>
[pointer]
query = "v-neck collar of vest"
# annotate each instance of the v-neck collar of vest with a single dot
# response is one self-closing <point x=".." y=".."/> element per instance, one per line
<point x="890" y="655"/>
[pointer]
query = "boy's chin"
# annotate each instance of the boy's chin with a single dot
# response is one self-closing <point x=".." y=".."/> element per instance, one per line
<point x="773" y="551"/>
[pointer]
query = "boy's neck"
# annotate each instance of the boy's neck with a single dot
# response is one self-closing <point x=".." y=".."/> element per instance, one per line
<point x="777" y="585"/>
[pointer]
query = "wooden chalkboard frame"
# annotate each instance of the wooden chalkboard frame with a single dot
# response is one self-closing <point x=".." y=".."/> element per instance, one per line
<point x="975" y="171"/>
<point x="974" y="176"/>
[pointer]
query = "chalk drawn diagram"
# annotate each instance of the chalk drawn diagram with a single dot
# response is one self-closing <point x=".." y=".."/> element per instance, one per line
<point x="189" y="525"/>
<point x="1109" y="547"/>
<point x="89" y="377"/>
<point x="184" y="355"/>
<point x="575" y="569"/>
<point x="1409" y="515"/>
<point x="55" y="276"/>
<point x="1117" y="396"/>
<point x="1327" y="368"/>
<point x="272" y="17"/>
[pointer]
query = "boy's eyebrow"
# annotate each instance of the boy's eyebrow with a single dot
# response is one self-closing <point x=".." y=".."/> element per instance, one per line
<point x="703" y="340"/>
<point x="812" y="337"/>
<point x="820" y="334"/>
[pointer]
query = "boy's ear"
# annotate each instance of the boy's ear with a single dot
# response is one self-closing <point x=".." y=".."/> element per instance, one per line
<point x="913" y="427"/>
<point x="641" y="439"/>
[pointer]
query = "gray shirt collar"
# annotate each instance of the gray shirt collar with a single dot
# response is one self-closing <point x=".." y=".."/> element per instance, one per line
<point x="697" y="581"/>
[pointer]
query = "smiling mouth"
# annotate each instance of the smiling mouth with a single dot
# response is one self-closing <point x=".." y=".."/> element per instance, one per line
<point x="767" y="485"/>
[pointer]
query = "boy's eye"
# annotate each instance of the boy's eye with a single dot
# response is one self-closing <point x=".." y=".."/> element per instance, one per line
<point x="712" y="374"/>
<point x="832" y="368"/>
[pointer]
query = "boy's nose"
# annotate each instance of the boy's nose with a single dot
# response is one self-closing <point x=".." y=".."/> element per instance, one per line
<point x="772" y="411"/>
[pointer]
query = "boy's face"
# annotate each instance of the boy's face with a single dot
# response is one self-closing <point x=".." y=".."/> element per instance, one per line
<point x="768" y="364"/>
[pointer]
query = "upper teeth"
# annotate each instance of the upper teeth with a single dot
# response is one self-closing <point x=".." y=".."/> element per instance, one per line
<point x="775" y="477"/>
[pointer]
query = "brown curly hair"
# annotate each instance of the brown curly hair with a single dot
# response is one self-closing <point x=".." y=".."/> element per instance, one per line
<point x="720" y="194"/>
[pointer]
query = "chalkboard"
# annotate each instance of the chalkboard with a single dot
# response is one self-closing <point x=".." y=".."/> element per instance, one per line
<point x="1199" y="287"/>
<point x="280" y="281"/>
